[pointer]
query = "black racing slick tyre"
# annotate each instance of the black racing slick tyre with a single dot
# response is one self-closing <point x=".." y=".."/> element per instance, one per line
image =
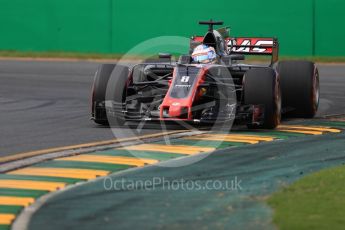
<point x="300" y="88"/>
<point x="261" y="87"/>
<point x="116" y="95"/>
<point x="108" y="94"/>
<point x="98" y="93"/>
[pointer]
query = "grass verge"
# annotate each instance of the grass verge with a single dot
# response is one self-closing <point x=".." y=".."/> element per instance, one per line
<point x="315" y="202"/>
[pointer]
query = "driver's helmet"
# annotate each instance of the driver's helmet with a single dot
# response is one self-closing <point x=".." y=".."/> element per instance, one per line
<point x="204" y="54"/>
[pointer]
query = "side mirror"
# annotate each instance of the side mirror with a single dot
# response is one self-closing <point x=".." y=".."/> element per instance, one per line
<point x="237" y="57"/>
<point x="164" y="55"/>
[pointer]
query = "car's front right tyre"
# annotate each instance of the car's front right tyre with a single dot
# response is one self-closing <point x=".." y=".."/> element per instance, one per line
<point x="262" y="87"/>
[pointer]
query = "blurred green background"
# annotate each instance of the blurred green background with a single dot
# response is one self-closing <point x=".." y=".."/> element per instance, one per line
<point x="303" y="27"/>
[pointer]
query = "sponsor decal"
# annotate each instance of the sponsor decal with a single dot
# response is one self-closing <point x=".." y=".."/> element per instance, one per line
<point x="183" y="86"/>
<point x="251" y="45"/>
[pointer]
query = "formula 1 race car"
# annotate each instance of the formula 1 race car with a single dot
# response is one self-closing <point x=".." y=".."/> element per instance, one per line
<point x="221" y="91"/>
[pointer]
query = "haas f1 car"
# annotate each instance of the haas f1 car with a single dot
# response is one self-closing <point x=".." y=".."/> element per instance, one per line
<point x="224" y="90"/>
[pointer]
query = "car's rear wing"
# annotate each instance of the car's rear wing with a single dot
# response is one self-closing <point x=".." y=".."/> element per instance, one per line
<point x="254" y="46"/>
<point x="247" y="46"/>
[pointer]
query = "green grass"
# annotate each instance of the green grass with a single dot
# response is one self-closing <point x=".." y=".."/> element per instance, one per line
<point x="315" y="202"/>
<point x="100" y="56"/>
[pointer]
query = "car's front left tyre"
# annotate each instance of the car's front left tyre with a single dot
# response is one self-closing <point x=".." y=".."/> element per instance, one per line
<point x="108" y="94"/>
<point x="99" y="88"/>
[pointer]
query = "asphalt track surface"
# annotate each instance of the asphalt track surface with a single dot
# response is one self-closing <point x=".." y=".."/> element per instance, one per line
<point x="46" y="104"/>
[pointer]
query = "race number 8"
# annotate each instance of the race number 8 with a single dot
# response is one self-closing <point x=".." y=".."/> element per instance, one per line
<point x="185" y="79"/>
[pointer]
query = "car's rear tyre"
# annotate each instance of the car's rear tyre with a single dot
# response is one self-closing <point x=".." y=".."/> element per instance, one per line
<point x="300" y="88"/>
<point x="98" y="93"/>
<point x="262" y="87"/>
